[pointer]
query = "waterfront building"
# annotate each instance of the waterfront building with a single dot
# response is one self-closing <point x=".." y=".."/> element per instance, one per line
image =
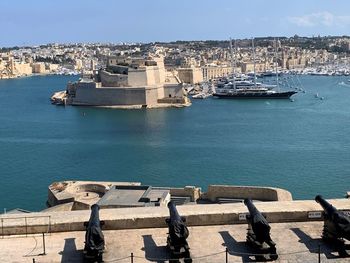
<point x="10" y="68"/>
<point x="249" y="67"/>
<point x="214" y="71"/>
<point x="190" y="75"/>
<point x="52" y="67"/>
<point x="211" y="57"/>
<point x="22" y="69"/>
<point x="39" y="68"/>
<point x="126" y="82"/>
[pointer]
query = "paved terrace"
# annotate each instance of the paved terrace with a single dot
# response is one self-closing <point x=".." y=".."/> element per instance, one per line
<point x="296" y="242"/>
<point x="142" y="231"/>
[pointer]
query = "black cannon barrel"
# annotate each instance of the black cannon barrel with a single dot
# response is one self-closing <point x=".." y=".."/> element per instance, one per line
<point x="255" y="215"/>
<point x="251" y="207"/>
<point x="94" y="239"/>
<point x="327" y="207"/>
<point x="177" y="229"/>
<point x="174" y="215"/>
<point x="94" y="216"/>
<point x="258" y="222"/>
<point x="338" y="223"/>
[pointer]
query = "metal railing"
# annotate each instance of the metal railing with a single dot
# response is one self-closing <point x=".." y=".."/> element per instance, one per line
<point x="132" y="258"/>
<point x="14" y="226"/>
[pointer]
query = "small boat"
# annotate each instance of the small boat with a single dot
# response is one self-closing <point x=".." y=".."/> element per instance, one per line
<point x="201" y="95"/>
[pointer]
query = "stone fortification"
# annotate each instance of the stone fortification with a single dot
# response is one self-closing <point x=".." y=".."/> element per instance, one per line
<point x="85" y="193"/>
<point x="253" y="192"/>
<point x="138" y="82"/>
<point x="153" y="217"/>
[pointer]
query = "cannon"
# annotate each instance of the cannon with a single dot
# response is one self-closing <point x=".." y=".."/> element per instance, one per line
<point x="336" y="225"/>
<point x="94" y="239"/>
<point x="258" y="235"/>
<point x="178" y="233"/>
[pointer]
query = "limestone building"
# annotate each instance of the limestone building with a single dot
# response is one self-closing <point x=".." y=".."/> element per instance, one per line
<point x="190" y="75"/>
<point x="11" y="69"/>
<point x="126" y="82"/>
<point x="249" y="67"/>
<point x="38" y="67"/>
<point x="212" y="72"/>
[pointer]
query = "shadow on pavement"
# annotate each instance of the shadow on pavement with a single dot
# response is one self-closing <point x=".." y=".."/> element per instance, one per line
<point x="70" y="252"/>
<point x="316" y="244"/>
<point x="153" y="252"/>
<point x="236" y="248"/>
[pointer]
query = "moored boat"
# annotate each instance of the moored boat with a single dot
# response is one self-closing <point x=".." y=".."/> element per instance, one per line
<point x="254" y="94"/>
<point x="247" y="89"/>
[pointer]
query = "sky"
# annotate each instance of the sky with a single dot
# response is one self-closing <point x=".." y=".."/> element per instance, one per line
<point x="37" y="22"/>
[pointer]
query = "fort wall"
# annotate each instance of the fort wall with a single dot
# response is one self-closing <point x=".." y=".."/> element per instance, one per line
<point x="109" y="96"/>
<point x="240" y="192"/>
<point x="154" y="217"/>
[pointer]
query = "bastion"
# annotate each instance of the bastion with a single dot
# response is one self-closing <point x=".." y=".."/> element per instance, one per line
<point x="127" y="83"/>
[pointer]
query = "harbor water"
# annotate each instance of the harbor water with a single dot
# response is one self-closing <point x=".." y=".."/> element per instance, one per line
<point x="302" y="146"/>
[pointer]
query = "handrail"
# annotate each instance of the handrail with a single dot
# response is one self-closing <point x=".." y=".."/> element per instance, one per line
<point x="25" y="225"/>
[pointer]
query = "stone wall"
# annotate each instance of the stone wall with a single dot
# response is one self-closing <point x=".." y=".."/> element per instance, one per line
<point x="38" y="67"/>
<point x="153" y="77"/>
<point x="113" y="80"/>
<point x="23" y="68"/>
<point x="160" y="64"/>
<point x="188" y="191"/>
<point x="152" y="95"/>
<point x="173" y="91"/>
<point x="190" y="75"/>
<point x="240" y="192"/>
<point x="144" y="76"/>
<point x="110" y="96"/>
<point x="154" y="217"/>
<point x="137" y="77"/>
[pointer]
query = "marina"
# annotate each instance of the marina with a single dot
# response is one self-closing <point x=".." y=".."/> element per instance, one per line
<point x="251" y="89"/>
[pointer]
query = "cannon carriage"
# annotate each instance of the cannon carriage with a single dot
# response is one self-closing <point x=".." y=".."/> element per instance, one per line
<point x="177" y="236"/>
<point x="336" y="226"/>
<point x="258" y="234"/>
<point x="94" y="239"/>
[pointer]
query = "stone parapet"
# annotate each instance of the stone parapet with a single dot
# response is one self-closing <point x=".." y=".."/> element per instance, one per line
<point x="85" y="192"/>
<point x="193" y="192"/>
<point x="254" y="192"/>
<point x="153" y="217"/>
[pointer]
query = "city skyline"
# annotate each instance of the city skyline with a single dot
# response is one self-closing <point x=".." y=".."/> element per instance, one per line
<point x="25" y="23"/>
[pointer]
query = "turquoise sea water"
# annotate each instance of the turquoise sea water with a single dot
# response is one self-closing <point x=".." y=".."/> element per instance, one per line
<point x="303" y="146"/>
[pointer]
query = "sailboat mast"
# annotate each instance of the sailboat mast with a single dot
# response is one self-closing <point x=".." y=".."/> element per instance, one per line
<point x="254" y="62"/>
<point x="233" y="62"/>
<point x="276" y="65"/>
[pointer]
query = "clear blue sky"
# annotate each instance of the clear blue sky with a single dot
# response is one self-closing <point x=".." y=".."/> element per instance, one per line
<point x="25" y="22"/>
